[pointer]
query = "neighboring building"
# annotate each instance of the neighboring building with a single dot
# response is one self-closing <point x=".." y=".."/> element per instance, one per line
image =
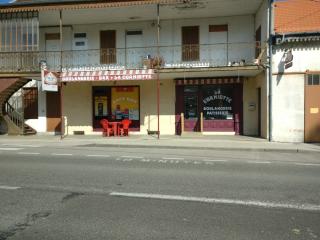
<point x="211" y="64"/>
<point x="296" y="71"/>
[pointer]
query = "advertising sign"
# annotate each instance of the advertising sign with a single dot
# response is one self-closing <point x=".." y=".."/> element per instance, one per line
<point x="107" y="75"/>
<point x="125" y="103"/>
<point x="101" y="106"/>
<point x="49" y="81"/>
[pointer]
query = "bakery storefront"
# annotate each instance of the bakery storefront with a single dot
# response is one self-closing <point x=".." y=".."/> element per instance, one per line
<point x="209" y="105"/>
<point x="114" y="95"/>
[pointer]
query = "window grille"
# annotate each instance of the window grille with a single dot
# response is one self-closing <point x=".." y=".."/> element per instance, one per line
<point x="19" y="32"/>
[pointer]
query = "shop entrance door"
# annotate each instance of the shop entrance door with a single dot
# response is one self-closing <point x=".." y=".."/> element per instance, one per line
<point x="100" y="105"/>
<point x="312" y="108"/>
<point x="53" y="112"/>
<point x="191" y="109"/>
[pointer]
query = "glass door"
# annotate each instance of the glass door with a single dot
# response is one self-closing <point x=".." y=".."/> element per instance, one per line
<point x="100" y="105"/>
<point x="191" y="109"/>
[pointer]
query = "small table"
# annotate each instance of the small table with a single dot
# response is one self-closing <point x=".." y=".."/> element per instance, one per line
<point x="115" y="126"/>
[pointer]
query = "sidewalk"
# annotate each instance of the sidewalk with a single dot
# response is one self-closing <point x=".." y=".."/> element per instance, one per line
<point x="222" y="143"/>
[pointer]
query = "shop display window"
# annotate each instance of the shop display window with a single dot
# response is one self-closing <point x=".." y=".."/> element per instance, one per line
<point x="217" y="102"/>
<point x="125" y="103"/>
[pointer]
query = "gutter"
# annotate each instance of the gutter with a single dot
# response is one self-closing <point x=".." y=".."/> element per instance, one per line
<point x="279" y="38"/>
<point x="270" y="42"/>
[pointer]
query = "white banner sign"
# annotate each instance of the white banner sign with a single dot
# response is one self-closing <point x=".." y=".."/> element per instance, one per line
<point x="107" y="75"/>
<point x="49" y="81"/>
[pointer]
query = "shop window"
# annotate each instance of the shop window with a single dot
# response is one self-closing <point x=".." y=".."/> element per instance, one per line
<point x="313" y="79"/>
<point x="125" y="103"/>
<point x="191" y="89"/>
<point x="217" y="102"/>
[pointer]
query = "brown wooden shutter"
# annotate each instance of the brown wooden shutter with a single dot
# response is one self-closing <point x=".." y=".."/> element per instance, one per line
<point x="190" y="43"/>
<point x="108" y="47"/>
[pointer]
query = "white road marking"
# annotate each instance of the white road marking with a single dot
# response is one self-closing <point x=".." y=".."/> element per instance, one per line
<point x="28" y="153"/>
<point x="216" y="160"/>
<point x="297" y="206"/>
<point x="98" y="155"/>
<point x="3" y="187"/>
<point x="174" y="161"/>
<point x="196" y="162"/>
<point x="172" y="158"/>
<point x="259" y="162"/>
<point x="162" y="161"/>
<point x="145" y="160"/>
<point x="61" y="154"/>
<point x="21" y="145"/>
<point x="209" y="163"/>
<point x="10" y="149"/>
<point x="131" y="157"/>
<point x="308" y="164"/>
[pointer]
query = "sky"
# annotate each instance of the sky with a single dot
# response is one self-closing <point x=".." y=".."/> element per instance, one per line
<point x="6" y="1"/>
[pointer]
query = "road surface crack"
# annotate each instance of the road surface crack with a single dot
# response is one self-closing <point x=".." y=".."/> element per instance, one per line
<point x="70" y="196"/>
<point x="29" y="221"/>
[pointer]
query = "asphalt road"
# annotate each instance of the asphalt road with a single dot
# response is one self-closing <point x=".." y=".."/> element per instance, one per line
<point x="113" y="193"/>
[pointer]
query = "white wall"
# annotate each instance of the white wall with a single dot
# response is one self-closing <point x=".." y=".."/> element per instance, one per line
<point x="305" y="57"/>
<point x="240" y="37"/>
<point x="288" y="90"/>
<point x="250" y="115"/>
<point x="261" y="19"/>
<point x="288" y="108"/>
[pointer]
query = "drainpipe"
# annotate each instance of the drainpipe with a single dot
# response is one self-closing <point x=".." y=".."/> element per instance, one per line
<point x="270" y="31"/>
<point x="158" y="68"/>
<point x="61" y="96"/>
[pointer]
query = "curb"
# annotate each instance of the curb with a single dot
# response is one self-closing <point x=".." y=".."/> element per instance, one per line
<point x="294" y="150"/>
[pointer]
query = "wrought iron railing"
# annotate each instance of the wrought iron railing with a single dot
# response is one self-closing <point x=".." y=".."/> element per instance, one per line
<point x="16" y="117"/>
<point x="177" y="56"/>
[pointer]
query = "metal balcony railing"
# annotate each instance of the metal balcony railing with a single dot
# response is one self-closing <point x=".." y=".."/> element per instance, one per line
<point x="176" y="56"/>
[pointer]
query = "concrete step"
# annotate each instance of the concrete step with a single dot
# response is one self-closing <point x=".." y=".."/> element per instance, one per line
<point x="191" y="134"/>
<point x="29" y="130"/>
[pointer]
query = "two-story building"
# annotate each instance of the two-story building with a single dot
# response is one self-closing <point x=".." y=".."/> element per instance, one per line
<point x="168" y="65"/>
<point x="296" y="72"/>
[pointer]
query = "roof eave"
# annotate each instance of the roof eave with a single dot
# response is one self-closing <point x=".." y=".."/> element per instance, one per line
<point x="83" y="5"/>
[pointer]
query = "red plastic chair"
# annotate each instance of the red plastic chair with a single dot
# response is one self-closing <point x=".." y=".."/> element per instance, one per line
<point x="123" y="129"/>
<point x="107" y="131"/>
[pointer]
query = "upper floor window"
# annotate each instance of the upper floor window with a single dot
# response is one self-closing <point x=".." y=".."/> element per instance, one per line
<point x="313" y="79"/>
<point x="19" y="31"/>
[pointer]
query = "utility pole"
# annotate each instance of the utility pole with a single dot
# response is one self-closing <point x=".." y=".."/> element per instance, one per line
<point x="270" y="35"/>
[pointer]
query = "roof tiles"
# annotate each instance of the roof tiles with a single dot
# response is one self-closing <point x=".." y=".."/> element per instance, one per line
<point x="297" y="16"/>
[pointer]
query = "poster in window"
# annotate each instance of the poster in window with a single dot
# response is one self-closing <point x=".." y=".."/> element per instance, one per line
<point x="217" y="103"/>
<point x="101" y="106"/>
<point x="125" y="103"/>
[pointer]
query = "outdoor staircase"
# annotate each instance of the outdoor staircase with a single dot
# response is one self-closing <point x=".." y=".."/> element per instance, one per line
<point x="12" y="117"/>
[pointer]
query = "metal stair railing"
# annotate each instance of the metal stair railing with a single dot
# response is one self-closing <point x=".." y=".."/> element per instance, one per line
<point x="16" y="117"/>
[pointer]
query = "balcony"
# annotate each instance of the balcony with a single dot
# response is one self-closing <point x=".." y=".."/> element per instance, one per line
<point x="171" y="57"/>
